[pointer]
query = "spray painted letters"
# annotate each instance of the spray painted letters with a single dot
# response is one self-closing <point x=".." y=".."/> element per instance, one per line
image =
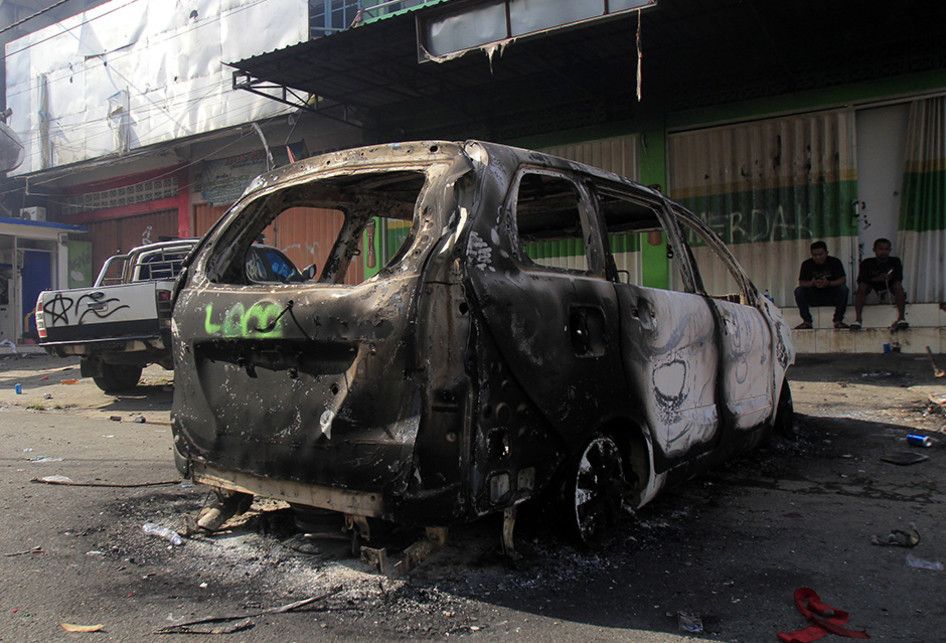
<point x="261" y="320"/>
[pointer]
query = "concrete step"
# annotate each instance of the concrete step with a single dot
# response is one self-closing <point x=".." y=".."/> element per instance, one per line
<point x="927" y="328"/>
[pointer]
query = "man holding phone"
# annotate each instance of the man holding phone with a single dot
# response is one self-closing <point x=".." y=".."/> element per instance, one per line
<point x="821" y="282"/>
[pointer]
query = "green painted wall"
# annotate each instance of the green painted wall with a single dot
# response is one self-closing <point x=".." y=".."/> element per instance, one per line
<point x="653" y="171"/>
<point x="376" y="254"/>
<point x="653" y="130"/>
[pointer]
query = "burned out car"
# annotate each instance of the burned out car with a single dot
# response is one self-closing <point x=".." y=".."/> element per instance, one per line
<point x="477" y="336"/>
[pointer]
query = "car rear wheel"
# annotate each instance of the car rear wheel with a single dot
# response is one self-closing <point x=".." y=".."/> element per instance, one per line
<point x="784" y="424"/>
<point x="115" y="378"/>
<point x="595" y="490"/>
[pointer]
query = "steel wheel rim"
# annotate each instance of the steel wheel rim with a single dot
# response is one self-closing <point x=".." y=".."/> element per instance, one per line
<point x="598" y="480"/>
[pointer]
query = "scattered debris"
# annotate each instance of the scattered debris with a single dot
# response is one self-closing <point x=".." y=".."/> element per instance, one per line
<point x="44" y="458"/>
<point x="115" y="418"/>
<point x="228" y="505"/>
<point x="188" y="627"/>
<point x="18" y="388"/>
<point x="54" y="480"/>
<point x="94" y="553"/>
<point x="66" y="481"/>
<point x="909" y="537"/>
<point x="922" y="563"/>
<point x="876" y="375"/>
<point x="47" y="396"/>
<point x="937" y="371"/>
<point x="139" y="419"/>
<point x="35" y="551"/>
<point x="239" y="626"/>
<point x="825" y="619"/>
<point x="904" y="458"/>
<point x="8" y="344"/>
<point x="690" y="622"/>
<point x="919" y="440"/>
<point x="70" y="380"/>
<point x="169" y="535"/>
<point x="69" y="627"/>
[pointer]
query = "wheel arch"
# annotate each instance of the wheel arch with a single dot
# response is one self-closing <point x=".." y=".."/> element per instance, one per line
<point x="633" y="441"/>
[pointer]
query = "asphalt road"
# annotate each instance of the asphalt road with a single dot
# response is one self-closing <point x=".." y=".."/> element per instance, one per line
<point x="730" y="547"/>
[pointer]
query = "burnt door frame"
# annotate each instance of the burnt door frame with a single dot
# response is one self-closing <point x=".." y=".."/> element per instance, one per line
<point x="670" y="347"/>
<point x="556" y="328"/>
<point x="743" y="325"/>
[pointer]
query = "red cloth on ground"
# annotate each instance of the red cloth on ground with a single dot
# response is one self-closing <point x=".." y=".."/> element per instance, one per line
<point x="825" y="618"/>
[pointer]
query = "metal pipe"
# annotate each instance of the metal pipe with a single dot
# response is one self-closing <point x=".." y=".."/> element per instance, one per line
<point x="270" y="164"/>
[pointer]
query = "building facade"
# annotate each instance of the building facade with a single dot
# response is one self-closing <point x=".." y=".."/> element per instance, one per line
<point x="776" y="123"/>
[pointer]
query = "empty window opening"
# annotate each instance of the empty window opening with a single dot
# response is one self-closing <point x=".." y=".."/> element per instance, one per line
<point x="715" y="272"/>
<point x="630" y="224"/>
<point x="337" y="230"/>
<point x="548" y="222"/>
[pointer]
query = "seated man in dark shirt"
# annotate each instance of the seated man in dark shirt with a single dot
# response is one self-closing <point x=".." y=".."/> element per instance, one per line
<point x="881" y="273"/>
<point x="821" y="282"/>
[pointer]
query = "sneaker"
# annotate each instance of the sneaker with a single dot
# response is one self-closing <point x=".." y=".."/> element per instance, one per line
<point x="900" y="324"/>
<point x="856" y="326"/>
<point x="840" y="325"/>
<point x="803" y="326"/>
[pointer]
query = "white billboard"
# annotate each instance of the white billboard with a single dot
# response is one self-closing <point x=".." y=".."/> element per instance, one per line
<point x="132" y="73"/>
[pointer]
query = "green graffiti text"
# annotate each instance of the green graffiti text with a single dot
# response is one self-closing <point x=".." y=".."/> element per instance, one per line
<point x="239" y="321"/>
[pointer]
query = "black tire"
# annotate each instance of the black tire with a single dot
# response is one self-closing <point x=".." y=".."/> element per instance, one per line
<point x="594" y="491"/>
<point x="116" y="378"/>
<point x="784" y="425"/>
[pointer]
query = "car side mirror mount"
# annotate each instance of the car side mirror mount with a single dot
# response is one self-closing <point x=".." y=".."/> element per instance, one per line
<point x="310" y="272"/>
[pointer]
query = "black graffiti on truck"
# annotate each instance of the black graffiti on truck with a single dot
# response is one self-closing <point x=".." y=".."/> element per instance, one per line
<point x="59" y="307"/>
<point x="100" y="308"/>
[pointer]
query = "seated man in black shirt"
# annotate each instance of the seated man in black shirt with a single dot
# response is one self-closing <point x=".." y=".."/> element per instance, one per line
<point x="821" y="282"/>
<point x="881" y="273"/>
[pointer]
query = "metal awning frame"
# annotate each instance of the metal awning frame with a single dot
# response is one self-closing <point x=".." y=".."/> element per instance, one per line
<point x="294" y="98"/>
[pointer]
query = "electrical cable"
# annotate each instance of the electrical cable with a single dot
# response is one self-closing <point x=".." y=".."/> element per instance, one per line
<point x="112" y="58"/>
<point x="19" y="22"/>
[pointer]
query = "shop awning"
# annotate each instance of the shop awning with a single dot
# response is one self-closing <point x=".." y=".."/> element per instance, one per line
<point x="694" y="54"/>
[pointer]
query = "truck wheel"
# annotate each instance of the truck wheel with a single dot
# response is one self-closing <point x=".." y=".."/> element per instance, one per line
<point x="116" y="378"/>
<point x="594" y="491"/>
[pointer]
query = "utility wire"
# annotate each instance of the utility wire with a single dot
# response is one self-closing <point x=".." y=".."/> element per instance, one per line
<point x="115" y="55"/>
<point x="31" y="16"/>
<point x="176" y="169"/>
<point x="84" y="22"/>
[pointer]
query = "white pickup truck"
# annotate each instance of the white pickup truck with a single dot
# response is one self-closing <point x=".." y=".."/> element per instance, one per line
<point x="123" y="322"/>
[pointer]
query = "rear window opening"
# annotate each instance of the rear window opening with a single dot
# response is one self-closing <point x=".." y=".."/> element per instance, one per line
<point x="338" y="230"/>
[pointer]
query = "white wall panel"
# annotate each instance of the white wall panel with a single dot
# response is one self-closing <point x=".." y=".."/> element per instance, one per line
<point x="168" y="56"/>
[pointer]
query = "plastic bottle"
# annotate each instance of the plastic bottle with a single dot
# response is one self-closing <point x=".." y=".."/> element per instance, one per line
<point x="169" y="535"/>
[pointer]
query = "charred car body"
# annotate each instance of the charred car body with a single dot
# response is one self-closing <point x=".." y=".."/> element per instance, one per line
<point x="499" y="351"/>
